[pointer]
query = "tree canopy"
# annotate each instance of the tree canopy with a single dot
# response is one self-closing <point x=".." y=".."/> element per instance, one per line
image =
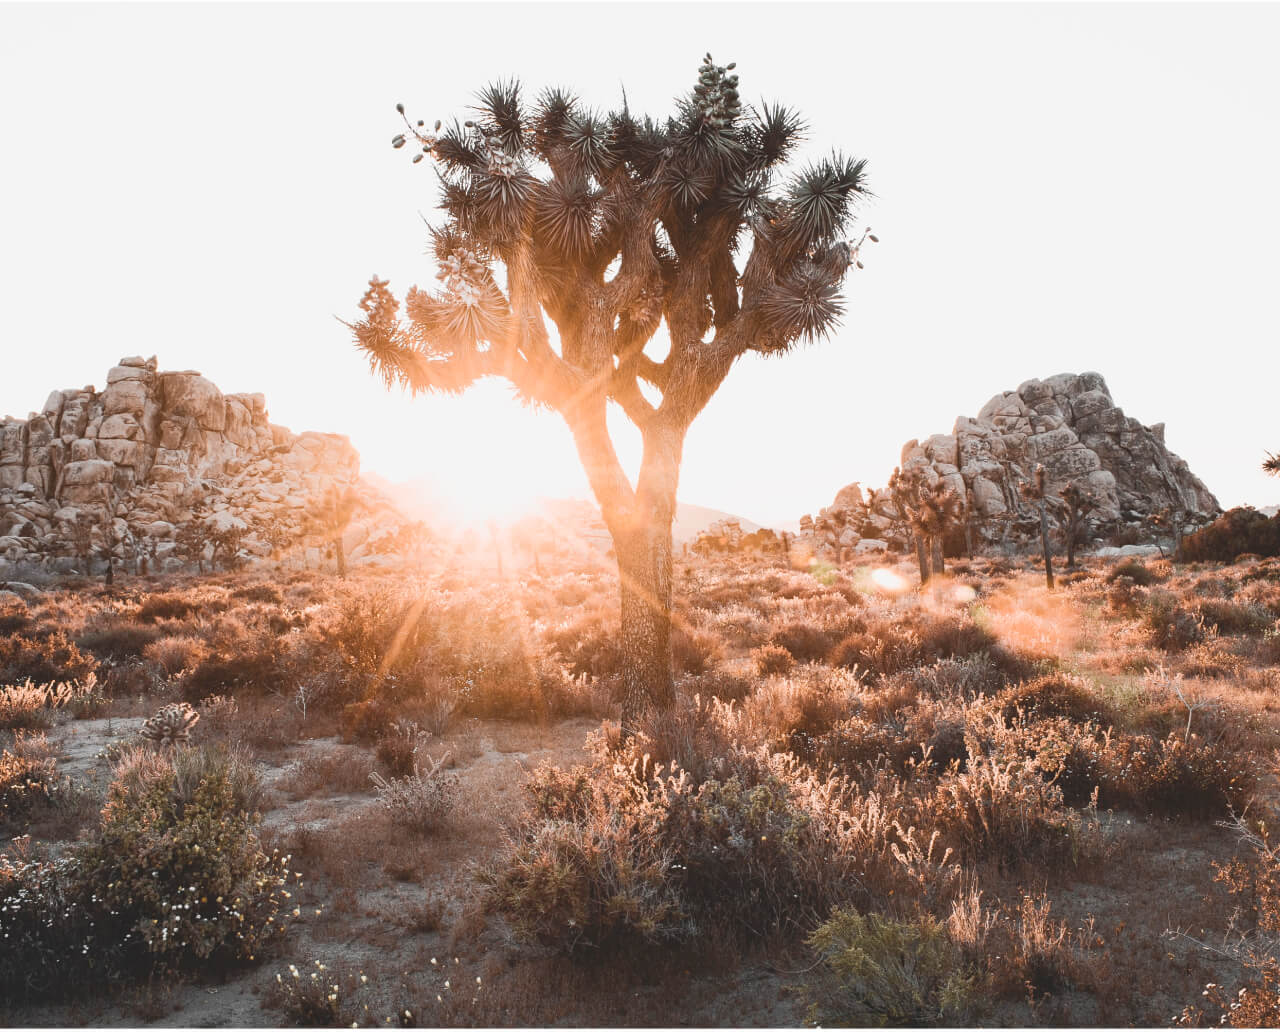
<point x="608" y="224"/>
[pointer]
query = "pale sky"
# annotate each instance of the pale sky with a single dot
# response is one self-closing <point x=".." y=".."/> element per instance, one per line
<point x="1059" y="188"/>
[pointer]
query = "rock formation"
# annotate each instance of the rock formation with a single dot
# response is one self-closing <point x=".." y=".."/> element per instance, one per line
<point x="153" y="451"/>
<point x="1069" y="424"/>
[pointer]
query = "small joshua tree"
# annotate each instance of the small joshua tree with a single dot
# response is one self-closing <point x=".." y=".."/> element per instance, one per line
<point x="191" y="540"/>
<point x="1174" y="519"/>
<point x="1036" y="492"/>
<point x="226" y="542"/>
<point x="82" y="539"/>
<point x="1078" y="503"/>
<point x="1271" y="464"/>
<point x="907" y="491"/>
<point x="941" y="510"/>
<point x="146" y="553"/>
<point x="331" y="517"/>
<point x="611" y="226"/>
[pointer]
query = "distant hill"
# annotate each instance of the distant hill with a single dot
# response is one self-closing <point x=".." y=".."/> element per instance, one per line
<point x="417" y="499"/>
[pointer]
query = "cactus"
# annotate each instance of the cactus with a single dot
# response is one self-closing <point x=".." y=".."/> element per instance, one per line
<point x="170" y="725"/>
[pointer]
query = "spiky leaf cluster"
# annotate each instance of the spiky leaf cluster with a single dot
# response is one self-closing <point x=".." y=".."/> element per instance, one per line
<point x="609" y="223"/>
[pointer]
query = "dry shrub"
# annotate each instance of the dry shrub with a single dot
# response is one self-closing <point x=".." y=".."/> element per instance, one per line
<point x="805" y="703"/>
<point x="116" y="638"/>
<point x="1238" y="531"/>
<point x="901" y="641"/>
<point x="176" y="653"/>
<point x="50" y="658"/>
<point x="169" y="606"/>
<point x="772" y="659"/>
<point x="1056" y="695"/>
<point x="15" y="617"/>
<point x="420" y="801"/>
<point x="1252" y="878"/>
<point x="720" y="682"/>
<point x="259" y="593"/>
<point x="807" y="642"/>
<point x="588" y="643"/>
<point x="876" y="971"/>
<point x="32" y="706"/>
<point x="338" y="770"/>
<point x="955" y="679"/>
<point x="1135" y="571"/>
<point x="628" y="856"/>
<point x="174" y="878"/>
<point x="28" y="777"/>
<point x="1005" y="812"/>
<point x="1171" y="625"/>
<point x="694" y="651"/>
<point x="1234" y="618"/>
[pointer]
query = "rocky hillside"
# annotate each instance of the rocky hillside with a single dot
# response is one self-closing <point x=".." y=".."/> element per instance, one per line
<point x="1068" y="423"/>
<point x="154" y="451"/>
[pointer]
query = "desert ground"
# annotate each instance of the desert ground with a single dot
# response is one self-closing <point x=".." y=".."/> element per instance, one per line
<point x="406" y="799"/>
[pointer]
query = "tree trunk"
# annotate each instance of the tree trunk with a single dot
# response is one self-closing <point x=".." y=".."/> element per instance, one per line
<point x="968" y="537"/>
<point x="644" y="570"/>
<point x="939" y="564"/>
<point x="111" y="572"/>
<point x="922" y="558"/>
<point x="341" y="555"/>
<point x="1044" y="545"/>
<point x="1072" y="530"/>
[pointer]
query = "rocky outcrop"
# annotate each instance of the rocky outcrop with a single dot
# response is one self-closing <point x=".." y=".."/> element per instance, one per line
<point x="153" y="450"/>
<point x="1069" y="424"/>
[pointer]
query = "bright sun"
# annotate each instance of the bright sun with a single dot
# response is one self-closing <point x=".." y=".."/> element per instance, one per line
<point x="484" y="457"/>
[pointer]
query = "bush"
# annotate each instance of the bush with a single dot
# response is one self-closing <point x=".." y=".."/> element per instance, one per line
<point x="896" y="643"/>
<point x="50" y="658"/>
<point x="1056" y="695"/>
<point x="881" y="972"/>
<point x="14" y="616"/>
<point x="1004" y="811"/>
<point x="1135" y="571"/>
<point x="169" y="881"/>
<point x="1231" y="618"/>
<point x="420" y="801"/>
<point x="120" y="638"/>
<point x="772" y="659"/>
<point x="28" y="778"/>
<point x="806" y="642"/>
<point x="693" y="651"/>
<point x="364" y="722"/>
<point x="176" y="653"/>
<point x="1241" y="530"/>
<point x="168" y="606"/>
<point x="1170" y="624"/>
<point x="32" y="706"/>
<point x="591" y="883"/>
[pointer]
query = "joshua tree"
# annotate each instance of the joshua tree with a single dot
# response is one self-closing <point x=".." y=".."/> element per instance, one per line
<point x="331" y="517"/>
<point x="1078" y="503"/>
<point x="146" y="553"/>
<point x="1035" y="492"/>
<point x="82" y="539"/>
<point x="190" y="542"/>
<point x="226" y="543"/>
<point x="907" y="491"/>
<point x="941" y="510"/>
<point x="610" y="226"/>
<point x="1271" y="464"/>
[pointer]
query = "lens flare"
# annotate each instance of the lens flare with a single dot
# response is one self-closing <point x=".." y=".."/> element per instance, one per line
<point x="889" y="581"/>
